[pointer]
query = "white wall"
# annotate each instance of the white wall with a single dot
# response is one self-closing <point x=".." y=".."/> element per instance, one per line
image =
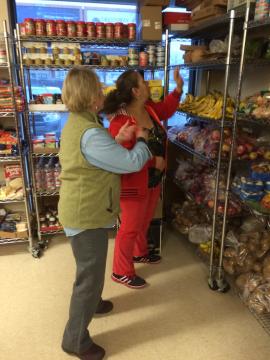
<point x="254" y="79"/>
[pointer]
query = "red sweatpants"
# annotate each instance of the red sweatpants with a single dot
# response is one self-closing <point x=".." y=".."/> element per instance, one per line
<point x="131" y="238"/>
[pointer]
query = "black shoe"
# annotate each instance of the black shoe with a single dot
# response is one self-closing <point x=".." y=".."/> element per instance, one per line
<point x="133" y="282"/>
<point x="104" y="307"/>
<point x="95" y="352"/>
<point x="148" y="259"/>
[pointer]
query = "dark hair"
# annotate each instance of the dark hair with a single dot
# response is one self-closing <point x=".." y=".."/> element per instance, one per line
<point x="123" y="92"/>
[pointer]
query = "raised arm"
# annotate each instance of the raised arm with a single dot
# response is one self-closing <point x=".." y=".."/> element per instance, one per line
<point x="166" y="108"/>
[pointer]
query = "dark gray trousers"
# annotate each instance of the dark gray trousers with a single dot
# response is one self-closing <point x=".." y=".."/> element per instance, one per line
<point x="90" y="251"/>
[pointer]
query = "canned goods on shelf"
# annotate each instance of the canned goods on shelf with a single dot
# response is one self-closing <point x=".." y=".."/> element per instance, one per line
<point x="51" y="144"/>
<point x="131" y="31"/>
<point x="100" y="28"/>
<point x="132" y="50"/>
<point x="30" y="28"/>
<point x="71" y="29"/>
<point x="61" y="28"/>
<point x="143" y="58"/>
<point x="50" y="28"/>
<point x="22" y="29"/>
<point x="40" y="26"/>
<point x="37" y="144"/>
<point x="91" y="30"/>
<point x="133" y="63"/>
<point x="133" y="56"/>
<point x="109" y="28"/>
<point x="3" y="56"/>
<point x="81" y="28"/>
<point x="118" y="30"/>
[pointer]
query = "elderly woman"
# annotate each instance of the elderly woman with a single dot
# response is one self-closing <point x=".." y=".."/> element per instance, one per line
<point x="91" y="162"/>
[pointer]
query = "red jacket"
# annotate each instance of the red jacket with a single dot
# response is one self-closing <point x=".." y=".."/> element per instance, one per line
<point x="136" y="184"/>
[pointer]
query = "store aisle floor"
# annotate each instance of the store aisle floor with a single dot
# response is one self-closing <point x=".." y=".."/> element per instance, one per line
<point x="175" y="318"/>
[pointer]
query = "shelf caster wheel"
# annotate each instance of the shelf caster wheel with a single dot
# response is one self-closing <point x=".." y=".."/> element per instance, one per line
<point x="212" y="284"/>
<point x="223" y="286"/>
<point x="36" y="252"/>
<point x="43" y="244"/>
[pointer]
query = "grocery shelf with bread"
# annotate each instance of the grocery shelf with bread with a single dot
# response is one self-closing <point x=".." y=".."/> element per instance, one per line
<point x="234" y="141"/>
<point x="15" y="202"/>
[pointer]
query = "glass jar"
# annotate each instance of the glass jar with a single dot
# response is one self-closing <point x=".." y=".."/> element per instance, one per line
<point x="51" y="28"/>
<point x="118" y="30"/>
<point x="22" y="29"/>
<point x="91" y="30"/>
<point x="81" y="30"/>
<point x="40" y="26"/>
<point x="57" y="172"/>
<point x="100" y="30"/>
<point x="61" y="28"/>
<point x="48" y="61"/>
<point x="38" y="144"/>
<point x="29" y="27"/>
<point x="71" y="29"/>
<point x="109" y="30"/>
<point x="3" y="55"/>
<point x="131" y="31"/>
<point x="143" y="58"/>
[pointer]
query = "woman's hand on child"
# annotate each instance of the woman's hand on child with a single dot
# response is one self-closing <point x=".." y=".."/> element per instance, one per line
<point x="126" y="133"/>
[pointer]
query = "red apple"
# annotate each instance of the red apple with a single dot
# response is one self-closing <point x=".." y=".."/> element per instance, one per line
<point x="220" y="209"/>
<point x="215" y="135"/>
<point x="241" y="149"/>
<point x="249" y="147"/>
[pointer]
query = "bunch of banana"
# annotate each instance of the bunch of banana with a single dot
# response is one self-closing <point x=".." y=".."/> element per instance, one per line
<point x="209" y="106"/>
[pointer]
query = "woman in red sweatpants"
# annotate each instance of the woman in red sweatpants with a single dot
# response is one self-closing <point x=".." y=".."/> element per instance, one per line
<point x="140" y="191"/>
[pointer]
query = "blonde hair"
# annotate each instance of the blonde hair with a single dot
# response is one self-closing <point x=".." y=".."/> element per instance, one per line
<point x="81" y="87"/>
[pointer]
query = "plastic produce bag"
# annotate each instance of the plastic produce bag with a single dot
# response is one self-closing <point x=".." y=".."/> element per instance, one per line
<point x="259" y="300"/>
<point x="231" y="239"/>
<point x="248" y="282"/>
<point x="200" y="234"/>
<point x="252" y="224"/>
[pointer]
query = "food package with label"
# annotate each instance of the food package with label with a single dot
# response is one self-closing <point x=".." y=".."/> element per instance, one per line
<point x="156" y="90"/>
<point x="14" y="184"/>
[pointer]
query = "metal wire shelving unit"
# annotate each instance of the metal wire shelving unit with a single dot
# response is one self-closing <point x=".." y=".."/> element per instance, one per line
<point x="21" y="158"/>
<point x="217" y="279"/>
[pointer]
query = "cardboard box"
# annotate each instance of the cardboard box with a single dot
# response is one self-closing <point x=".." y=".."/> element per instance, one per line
<point x="153" y="3"/>
<point x="150" y="23"/>
<point x="208" y="12"/>
<point x="189" y="4"/>
<point x="206" y="3"/>
<point x="178" y="27"/>
<point x="176" y="18"/>
<point x="13" y="235"/>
